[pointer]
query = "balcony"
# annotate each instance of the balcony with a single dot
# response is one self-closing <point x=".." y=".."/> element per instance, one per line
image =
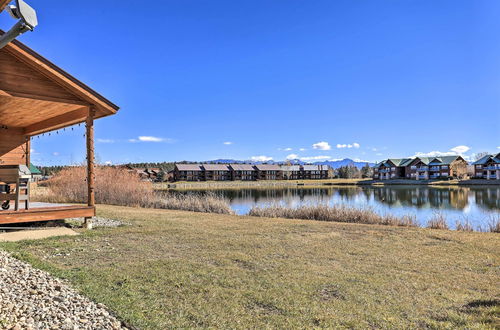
<point x="423" y="168"/>
<point x="492" y="167"/>
<point x="435" y="168"/>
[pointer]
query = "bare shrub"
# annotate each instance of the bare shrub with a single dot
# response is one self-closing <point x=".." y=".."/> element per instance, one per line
<point x="494" y="224"/>
<point x="464" y="225"/>
<point x="118" y="186"/>
<point x="325" y="212"/>
<point x="438" y="221"/>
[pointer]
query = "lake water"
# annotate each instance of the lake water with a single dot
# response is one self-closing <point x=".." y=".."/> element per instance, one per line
<point x="477" y="204"/>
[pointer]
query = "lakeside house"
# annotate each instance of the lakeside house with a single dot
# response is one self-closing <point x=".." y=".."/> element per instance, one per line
<point x="217" y="172"/>
<point x="247" y="172"/>
<point x="188" y="172"/>
<point x="487" y="167"/>
<point x="269" y="172"/>
<point x="292" y="172"/>
<point x="243" y="172"/>
<point x="420" y="168"/>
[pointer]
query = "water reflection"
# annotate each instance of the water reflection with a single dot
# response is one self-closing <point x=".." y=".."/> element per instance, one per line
<point x="472" y="202"/>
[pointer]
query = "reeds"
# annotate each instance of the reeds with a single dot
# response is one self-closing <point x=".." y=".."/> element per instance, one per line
<point x="437" y="221"/>
<point x="325" y="212"/>
<point x="118" y="186"/>
<point x="464" y="225"/>
<point x="494" y="223"/>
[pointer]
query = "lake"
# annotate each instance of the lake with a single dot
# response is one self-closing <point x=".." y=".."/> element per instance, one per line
<point x="478" y="204"/>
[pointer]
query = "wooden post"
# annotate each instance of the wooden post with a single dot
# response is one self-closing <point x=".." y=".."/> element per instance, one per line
<point x="28" y="151"/>
<point x="90" y="164"/>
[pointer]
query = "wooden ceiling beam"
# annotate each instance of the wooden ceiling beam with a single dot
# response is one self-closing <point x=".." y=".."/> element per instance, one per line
<point x="58" y="122"/>
<point x="41" y="97"/>
<point x="3" y="4"/>
<point x="62" y="78"/>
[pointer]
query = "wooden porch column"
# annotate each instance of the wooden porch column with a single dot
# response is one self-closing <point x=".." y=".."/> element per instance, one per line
<point x="89" y="124"/>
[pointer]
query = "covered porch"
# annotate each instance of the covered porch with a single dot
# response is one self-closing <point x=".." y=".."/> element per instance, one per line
<point x="38" y="97"/>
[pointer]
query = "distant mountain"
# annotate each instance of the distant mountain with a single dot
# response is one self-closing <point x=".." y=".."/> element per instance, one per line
<point x="344" y="162"/>
<point x="332" y="163"/>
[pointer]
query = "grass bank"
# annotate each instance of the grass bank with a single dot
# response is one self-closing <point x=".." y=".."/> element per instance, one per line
<point x="312" y="183"/>
<point x="174" y="269"/>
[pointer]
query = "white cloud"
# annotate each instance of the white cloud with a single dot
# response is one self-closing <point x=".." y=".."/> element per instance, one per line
<point x="261" y="158"/>
<point x="228" y="143"/>
<point x="105" y="141"/>
<point x="304" y="149"/>
<point x="374" y="149"/>
<point x="349" y="146"/>
<point x="151" y="139"/>
<point x="315" y="158"/>
<point x="55" y="153"/>
<point x="288" y="149"/>
<point x="322" y="146"/>
<point x="434" y="154"/>
<point x="108" y="162"/>
<point x="498" y="147"/>
<point x="379" y="154"/>
<point x="292" y="156"/>
<point x="361" y="160"/>
<point x="460" y="149"/>
<point x="453" y="151"/>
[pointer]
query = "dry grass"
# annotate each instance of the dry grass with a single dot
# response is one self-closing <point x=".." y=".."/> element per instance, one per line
<point x="464" y="225"/>
<point x="438" y="221"/>
<point x="117" y="186"/>
<point x="176" y="269"/>
<point x="324" y="212"/>
<point x="494" y="224"/>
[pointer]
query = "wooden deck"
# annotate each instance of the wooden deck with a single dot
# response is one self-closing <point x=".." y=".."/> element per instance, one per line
<point x="44" y="213"/>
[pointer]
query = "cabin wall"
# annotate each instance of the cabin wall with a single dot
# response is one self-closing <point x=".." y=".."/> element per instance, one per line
<point x="13" y="147"/>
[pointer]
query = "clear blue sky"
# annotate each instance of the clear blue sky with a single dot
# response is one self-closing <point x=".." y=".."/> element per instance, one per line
<point x="365" y="79"/>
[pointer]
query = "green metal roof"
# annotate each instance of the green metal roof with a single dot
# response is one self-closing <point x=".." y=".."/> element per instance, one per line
<point x="34" y="169"/>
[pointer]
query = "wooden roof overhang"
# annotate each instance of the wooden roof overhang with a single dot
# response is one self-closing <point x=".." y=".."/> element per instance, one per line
<point x="36" y="96"/>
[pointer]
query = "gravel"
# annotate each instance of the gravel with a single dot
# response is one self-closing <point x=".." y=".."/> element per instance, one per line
<point x="33" y="299"/>
<point x="102" y="222"/>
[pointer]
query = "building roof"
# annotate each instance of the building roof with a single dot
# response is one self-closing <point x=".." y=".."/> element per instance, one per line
<point x="311" y="167"/>
<point x="444" y="160"/>
<point x="268" y="167"/>
<point x="242" y="167"/>
<point x="487" y="158"/>
<point x="188" y="167"/>
<point x="39" y="97"/>
<point x="34" y="170"/>
<point x="215" y="167"/>
<point x="291" y="168"/>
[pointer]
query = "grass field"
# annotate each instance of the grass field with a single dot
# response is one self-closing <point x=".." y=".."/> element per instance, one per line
<point x="311" y="183"/>
<point x="182" y="269"/>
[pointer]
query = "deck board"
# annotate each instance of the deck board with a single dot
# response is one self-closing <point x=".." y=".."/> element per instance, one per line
<point x="46" y="214"/>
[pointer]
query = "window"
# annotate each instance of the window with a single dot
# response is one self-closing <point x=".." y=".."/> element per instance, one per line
<point x="413" y="167"/>
<point x="479" y="166"/>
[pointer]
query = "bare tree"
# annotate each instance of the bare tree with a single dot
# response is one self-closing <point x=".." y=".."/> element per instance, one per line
<point x="458" y="170"/>
<point x="480" y="155"/>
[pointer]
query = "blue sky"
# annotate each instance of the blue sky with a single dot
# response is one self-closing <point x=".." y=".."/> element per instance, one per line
<point x="200" y="80"/>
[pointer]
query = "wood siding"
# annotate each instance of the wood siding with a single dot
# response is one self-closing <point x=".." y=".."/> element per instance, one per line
<point x="13" y="147"/>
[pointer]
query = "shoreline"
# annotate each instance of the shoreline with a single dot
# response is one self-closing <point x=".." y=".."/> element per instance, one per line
<point x="319" y="183"/>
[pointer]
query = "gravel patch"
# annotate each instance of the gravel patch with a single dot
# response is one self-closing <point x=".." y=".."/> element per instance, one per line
<point x="33" y="299"/>
<point x="102" y="222"/>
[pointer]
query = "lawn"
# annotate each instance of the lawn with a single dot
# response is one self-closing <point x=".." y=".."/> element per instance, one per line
<point x="181" y="269"/>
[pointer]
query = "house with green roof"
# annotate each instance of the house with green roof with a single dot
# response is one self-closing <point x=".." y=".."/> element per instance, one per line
<point x="421" y="168"/>
<point x="36" y="174"/>
<point x="487" y="167"/>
